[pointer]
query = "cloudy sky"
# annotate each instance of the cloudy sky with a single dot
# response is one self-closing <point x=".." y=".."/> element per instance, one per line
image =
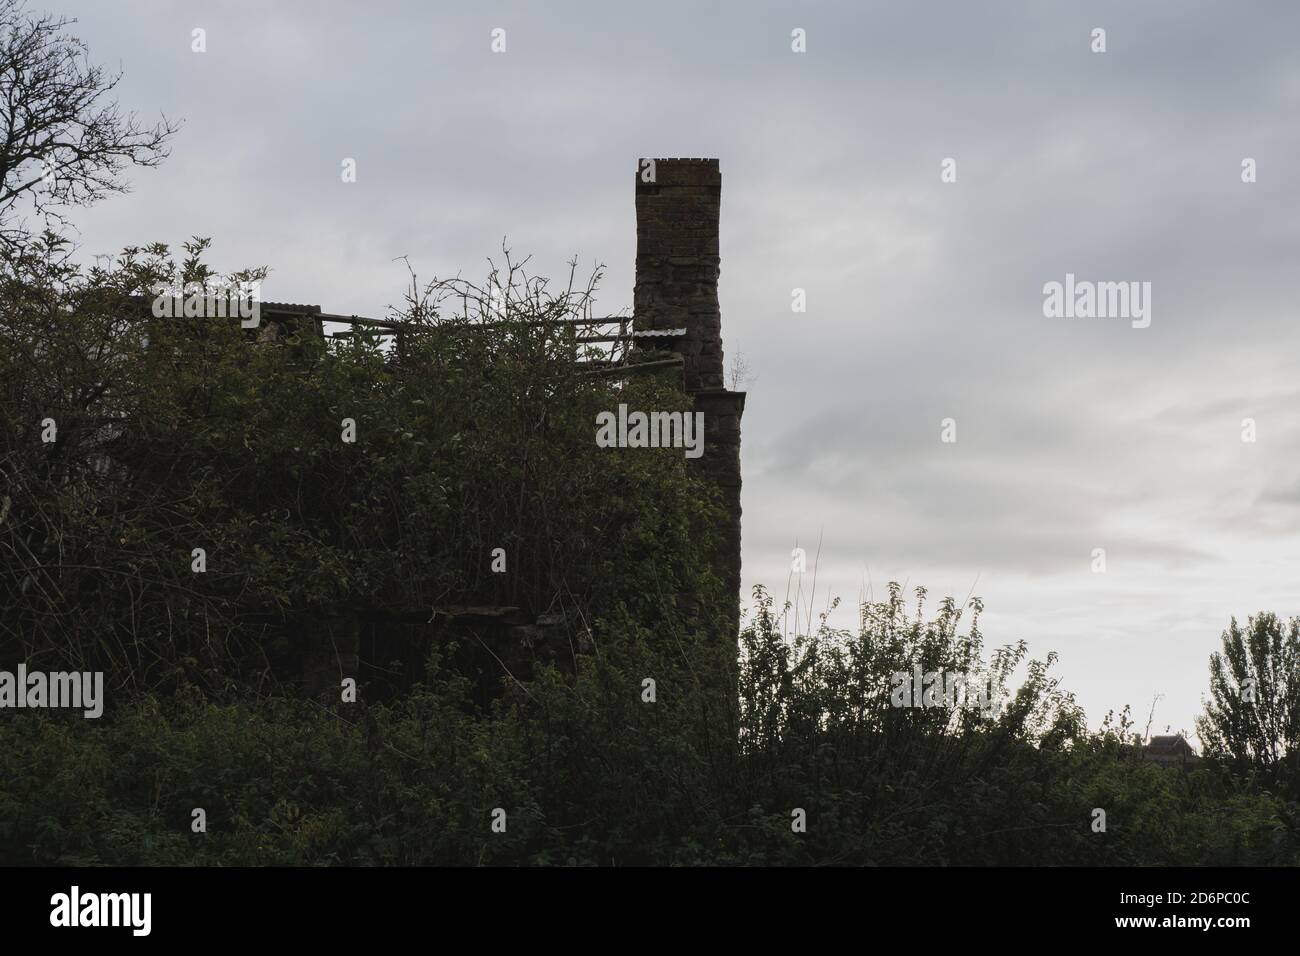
<point x="924" y="298"/>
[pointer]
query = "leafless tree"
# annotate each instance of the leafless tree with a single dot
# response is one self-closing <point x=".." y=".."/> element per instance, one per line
<point x="65" y="140"/>
<point x="738" y="374"/>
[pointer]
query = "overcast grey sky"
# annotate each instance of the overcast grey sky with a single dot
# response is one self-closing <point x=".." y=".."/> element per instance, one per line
<point x="925" y="299"/>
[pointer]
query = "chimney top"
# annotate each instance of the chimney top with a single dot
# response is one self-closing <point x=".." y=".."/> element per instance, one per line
<point x="678" y="202"/>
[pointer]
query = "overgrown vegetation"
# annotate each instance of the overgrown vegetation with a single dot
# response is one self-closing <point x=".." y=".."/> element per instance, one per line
<point x="589" y="773"/>
<point x="127" y="442"/>
<point x="476" y="433"/>
<point x="180" y="508"/>
<point x="176" y="434"/>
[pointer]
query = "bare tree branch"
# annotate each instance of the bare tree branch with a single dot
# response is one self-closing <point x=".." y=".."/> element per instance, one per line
<point x="64" y="141"/>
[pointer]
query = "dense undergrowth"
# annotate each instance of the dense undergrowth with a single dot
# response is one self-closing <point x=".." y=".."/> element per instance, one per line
<point x="174" y="435"/>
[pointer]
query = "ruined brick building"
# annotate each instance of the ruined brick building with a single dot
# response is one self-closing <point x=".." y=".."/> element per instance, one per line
<point x="676" y="328"/>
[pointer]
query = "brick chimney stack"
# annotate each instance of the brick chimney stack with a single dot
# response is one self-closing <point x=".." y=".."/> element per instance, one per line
<point x="677" y="261"/>
<point x="678" y="207"/>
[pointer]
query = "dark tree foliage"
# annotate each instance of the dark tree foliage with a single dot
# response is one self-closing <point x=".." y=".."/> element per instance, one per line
<point x="590" y="773"/>
<point x="127" y="442"/>
<point x="1253" y="715"/>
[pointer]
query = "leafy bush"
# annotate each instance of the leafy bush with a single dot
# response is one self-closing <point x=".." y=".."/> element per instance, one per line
<point x="177" y="434"/>
<point x="591" y="774"/>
